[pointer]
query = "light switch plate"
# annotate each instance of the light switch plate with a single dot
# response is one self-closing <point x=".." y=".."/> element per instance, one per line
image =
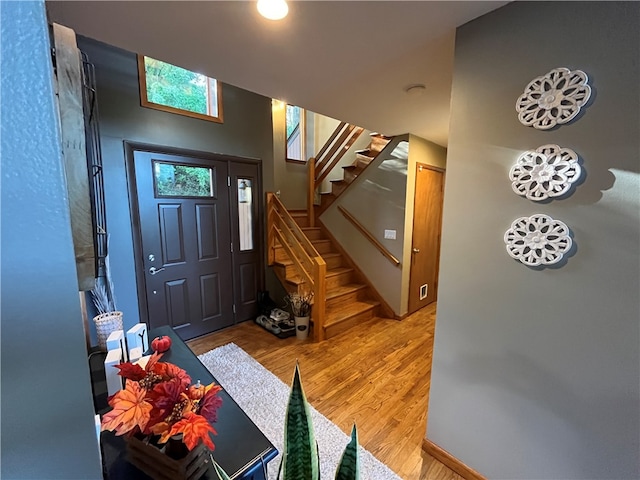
<point x="390" y="234"/>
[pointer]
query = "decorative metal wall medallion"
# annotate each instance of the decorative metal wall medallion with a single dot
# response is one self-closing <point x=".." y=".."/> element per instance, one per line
<point x="553" y="99"/>
<point x="537" y="240"/>
<point x="548" y="171"/>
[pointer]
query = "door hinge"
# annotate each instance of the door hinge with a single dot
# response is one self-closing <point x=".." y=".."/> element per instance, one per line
<point x="231" y="247"/>
<point x="228" y="181"/>
<point x="234" y="308"/>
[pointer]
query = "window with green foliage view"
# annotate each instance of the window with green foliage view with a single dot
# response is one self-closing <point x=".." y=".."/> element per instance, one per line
<point x="175" y="89"/>
<point x="174" y="180"/>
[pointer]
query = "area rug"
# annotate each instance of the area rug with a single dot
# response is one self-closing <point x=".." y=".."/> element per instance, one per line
<point x="263" y="397"/>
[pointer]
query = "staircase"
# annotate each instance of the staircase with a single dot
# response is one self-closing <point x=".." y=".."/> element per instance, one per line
<point x="305" y="258"/>
<point x="348" y="301"/>
<point x="351" y="172"/>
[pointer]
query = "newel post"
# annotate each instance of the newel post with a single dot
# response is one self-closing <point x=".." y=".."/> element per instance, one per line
<point x="311" y="189"/>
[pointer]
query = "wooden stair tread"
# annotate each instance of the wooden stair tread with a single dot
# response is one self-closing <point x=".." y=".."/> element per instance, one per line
<point x="338" y="271"/>
<point x="344" y="289"/>
<point x="342" y="313"/>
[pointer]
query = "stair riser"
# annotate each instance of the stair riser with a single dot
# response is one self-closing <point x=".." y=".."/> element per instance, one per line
<point x="338" y="280"/>
<point x="362" y="160"/>
<point x="322" y="247"/>
<point x="301" y="220"/>
<point x="350" y="175"/>
<point x="337" y="188"/>
<point x="377" y="144"/>
<point x="362" y="163"/>
<point x="333" y="262"/>
<point x="314" y="234"/>
<point x="347" y="299"/>
<point x="338" y="328"/>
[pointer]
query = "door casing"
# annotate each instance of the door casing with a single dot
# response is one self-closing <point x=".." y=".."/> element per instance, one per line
<point x="130" y="149"/>
<point x="428" y="202"/>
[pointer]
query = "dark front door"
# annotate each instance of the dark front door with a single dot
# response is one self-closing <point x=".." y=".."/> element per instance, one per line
<point x="185" y="233"/>
<point x="245" y="237"/>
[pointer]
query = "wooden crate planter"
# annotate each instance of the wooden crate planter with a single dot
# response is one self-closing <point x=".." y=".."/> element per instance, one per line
<point x="157" y="462"/>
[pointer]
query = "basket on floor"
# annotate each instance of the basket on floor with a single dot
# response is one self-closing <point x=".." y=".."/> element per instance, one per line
<point x="105" y="324"/>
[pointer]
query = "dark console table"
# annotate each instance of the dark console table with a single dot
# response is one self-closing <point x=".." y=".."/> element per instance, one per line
<point x="241" y="448"/>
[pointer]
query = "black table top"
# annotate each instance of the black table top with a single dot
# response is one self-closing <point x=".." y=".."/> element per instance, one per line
<point x="240" y="447"/>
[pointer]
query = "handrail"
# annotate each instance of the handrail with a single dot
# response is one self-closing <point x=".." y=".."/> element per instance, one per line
<point x="369" y="236"/>
<point x="340" y="141"/>
<point x="308" y="262"/>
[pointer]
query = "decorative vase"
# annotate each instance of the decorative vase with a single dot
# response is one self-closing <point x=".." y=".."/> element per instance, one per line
<point x="170" y="461"/>
<point x="105" y="324"/>
<point x="302" y="327"/>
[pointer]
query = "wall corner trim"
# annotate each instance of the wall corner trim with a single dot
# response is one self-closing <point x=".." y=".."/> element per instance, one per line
<point x="450" y="461"/>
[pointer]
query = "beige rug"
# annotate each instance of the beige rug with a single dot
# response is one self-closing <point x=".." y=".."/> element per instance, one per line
<point x="263" y="397"/>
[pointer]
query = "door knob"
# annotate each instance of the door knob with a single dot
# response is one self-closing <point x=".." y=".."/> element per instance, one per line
<point x="416" y="250"/>
<point x="154" y="270"/>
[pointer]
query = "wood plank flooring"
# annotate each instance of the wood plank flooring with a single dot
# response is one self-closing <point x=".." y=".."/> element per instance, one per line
<point x="376" y="374"/>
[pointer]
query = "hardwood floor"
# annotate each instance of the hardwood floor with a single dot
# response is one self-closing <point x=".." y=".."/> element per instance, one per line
<point x="376" y="374"/>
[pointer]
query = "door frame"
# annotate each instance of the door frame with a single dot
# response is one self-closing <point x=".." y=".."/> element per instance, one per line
<point x="443" y="171"/>
<point x="130" y="148"/>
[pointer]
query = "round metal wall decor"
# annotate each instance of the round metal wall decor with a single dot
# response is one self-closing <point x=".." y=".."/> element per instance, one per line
<point x="537" y="240"/>
<point x="553" y="99"/>
<point x="546" y="172"/>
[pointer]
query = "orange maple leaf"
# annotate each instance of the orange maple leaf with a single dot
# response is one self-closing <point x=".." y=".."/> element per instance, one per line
<point x="211" y="402"/>
<point x="194" y="428"/>
<point x="130" y="410"/>
<point x="163" y="429"/>
<point x="169" y="371"/>
<point x="131" y="371"/>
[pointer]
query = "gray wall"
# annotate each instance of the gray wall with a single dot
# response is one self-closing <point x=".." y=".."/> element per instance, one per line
<point x="535" y="372"/>
<point x="246" y="132"/>
<point x="47" y="410"/>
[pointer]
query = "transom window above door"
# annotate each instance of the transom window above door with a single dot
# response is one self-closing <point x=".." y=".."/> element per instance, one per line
<point x="174" y="89"/>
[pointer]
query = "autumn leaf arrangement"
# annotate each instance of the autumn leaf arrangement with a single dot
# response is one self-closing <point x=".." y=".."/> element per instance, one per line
<point x="160" y="401"/>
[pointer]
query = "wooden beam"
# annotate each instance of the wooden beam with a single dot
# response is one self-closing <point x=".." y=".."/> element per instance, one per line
<point x="69" y="88"/>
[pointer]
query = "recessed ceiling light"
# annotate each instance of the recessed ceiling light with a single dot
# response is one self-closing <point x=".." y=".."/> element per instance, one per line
<point x="273" y="9"/>
<point x="415" y="89"/>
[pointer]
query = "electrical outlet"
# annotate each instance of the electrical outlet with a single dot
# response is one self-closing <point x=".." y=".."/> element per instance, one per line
<point x="390" y="234"/>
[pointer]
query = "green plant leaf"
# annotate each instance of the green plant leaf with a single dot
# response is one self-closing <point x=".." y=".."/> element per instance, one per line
<point x="349" y="467"/>
<point x="300" y="457"/>
<point x="222" y="475"/>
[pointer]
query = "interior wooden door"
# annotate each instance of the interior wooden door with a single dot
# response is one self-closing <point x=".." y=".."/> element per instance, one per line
<point x="425" y="245"/>
<point x="183" y="214"/>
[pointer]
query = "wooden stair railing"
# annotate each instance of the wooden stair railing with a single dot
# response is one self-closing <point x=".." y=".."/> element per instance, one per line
<point x="342" y="138"/>
<point x="310" y="265"/>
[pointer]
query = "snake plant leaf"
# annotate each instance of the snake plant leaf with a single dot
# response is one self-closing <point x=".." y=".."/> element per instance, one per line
<point x="222" y="475"/>
<point x="300" y="457"/>
<point x="349" y="467"/>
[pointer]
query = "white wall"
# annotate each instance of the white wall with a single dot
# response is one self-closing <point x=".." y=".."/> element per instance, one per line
<point x="536" y="371"/>
<point x="47" y="411"/>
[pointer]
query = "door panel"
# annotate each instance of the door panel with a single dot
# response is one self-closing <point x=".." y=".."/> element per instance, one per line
<point x="427" y="224"/>
<point x="246" y="237"/>
<point x="186" y="239"/>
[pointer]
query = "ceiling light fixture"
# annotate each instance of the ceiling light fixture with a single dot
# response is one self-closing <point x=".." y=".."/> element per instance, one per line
<point x="273" y="9"/>
<point x="415" y="89"/>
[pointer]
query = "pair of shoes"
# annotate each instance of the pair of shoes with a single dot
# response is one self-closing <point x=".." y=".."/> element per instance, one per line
<point x="268" y="323"/>
<point x="282" y="318"/>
